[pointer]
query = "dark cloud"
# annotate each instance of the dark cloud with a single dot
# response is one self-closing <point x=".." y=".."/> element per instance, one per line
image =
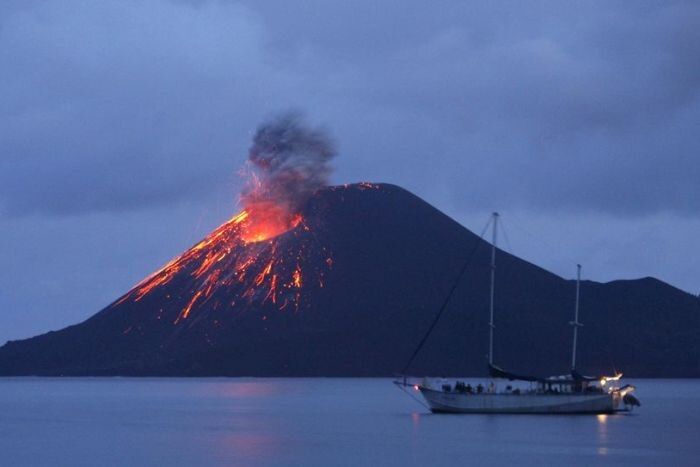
<point x="290" y="161"/>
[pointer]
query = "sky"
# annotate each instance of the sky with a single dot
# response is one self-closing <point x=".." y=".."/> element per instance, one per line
<point x="124" y="126"/>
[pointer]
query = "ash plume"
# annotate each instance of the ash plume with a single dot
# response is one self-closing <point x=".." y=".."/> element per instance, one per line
<point x="290" y="161"/>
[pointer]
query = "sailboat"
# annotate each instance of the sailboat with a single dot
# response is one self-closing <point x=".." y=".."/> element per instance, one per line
<point x="510" y="393"/>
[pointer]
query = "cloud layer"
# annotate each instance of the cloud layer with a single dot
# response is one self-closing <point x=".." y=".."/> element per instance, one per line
<point x="122" y="105"/>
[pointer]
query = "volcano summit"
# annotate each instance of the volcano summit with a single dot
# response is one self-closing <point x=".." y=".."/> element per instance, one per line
<point x="349" y="288"/>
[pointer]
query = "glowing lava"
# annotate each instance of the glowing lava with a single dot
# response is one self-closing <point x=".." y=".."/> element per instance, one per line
<point x="260" y="255"/>
<point x="264" y="220"/>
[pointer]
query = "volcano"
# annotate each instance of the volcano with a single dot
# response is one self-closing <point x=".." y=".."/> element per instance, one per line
<point x="348" y="287"/>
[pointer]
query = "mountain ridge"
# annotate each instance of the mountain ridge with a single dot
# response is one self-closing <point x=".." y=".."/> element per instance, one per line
<point x="377" y="263"/>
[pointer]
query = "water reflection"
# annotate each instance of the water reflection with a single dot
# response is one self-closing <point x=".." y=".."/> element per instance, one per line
<point x="249" y="389"/>
<point x="248" y="447"/>
<point x="241" y="389"/>
<point x="258" y="418"/>
<point x="602" y="423"/>
<point x="415" y="418"/>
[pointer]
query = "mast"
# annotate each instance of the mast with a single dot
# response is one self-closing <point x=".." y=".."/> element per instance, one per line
<point x="493" y="284"/>
<point x="575" y="322"/>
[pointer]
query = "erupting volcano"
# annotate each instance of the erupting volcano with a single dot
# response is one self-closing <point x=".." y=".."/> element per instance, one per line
<point x="309" y="279"/>
<point x="252" y="253"/>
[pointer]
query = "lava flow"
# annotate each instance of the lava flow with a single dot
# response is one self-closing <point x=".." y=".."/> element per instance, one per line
<point x="255" y="255"/>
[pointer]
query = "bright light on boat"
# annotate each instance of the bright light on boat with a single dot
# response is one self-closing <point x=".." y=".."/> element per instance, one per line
<point x="415" y="386"/>
<point x="607" y="379"/>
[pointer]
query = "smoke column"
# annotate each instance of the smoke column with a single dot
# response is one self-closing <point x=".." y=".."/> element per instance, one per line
<point x="289" y="161"/>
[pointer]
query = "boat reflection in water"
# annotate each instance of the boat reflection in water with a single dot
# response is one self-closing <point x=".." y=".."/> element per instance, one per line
<point x="507" y="392"/>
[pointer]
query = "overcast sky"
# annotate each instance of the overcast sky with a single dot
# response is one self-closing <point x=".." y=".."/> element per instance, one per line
<point x="123" y="125"/>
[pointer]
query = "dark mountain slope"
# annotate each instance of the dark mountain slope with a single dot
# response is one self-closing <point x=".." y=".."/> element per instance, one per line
<point x="350" y="291"/>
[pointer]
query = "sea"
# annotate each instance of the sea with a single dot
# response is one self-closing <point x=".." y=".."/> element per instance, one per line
<point x="321" y="422"/>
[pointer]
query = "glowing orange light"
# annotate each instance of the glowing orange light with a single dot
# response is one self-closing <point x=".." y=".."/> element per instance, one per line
<point x="296" y="277"/>
<point x="186" y="311"/>
<point x="265" y="220"/>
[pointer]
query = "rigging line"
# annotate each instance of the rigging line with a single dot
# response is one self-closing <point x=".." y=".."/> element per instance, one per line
<point x="505" y="235"/>
<point x="542" y="241"/>
<point x="507" y="268"/>
<point x="508" y="271"/>
<point x="443" y="307"/>
<point x="403" y="388"/>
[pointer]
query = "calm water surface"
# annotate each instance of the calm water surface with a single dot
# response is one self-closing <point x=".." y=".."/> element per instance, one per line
<point x="255" y="421"/>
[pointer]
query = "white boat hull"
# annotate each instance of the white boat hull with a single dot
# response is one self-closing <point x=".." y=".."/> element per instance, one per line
<point x="457" y="402"/>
